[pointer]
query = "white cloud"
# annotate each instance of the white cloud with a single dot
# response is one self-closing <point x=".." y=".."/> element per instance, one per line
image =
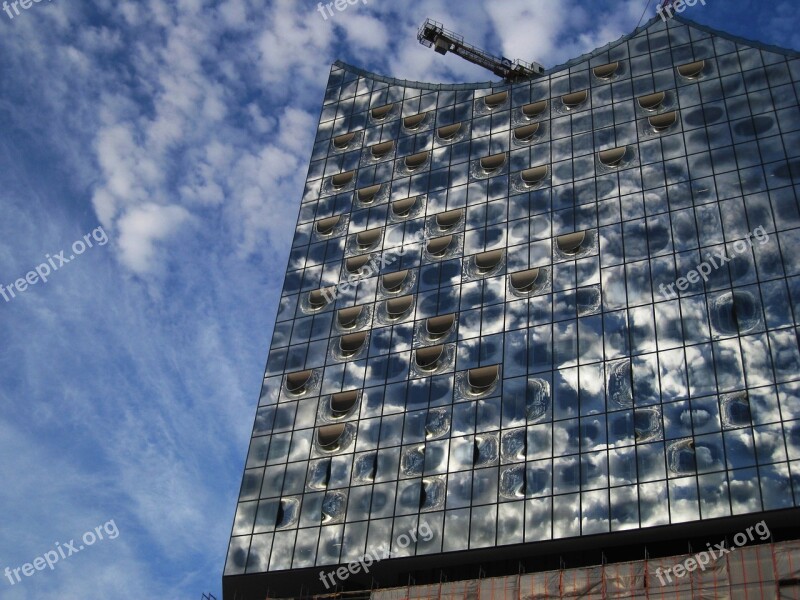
<point x="141" y="228"/>
<point x="364" y="33"/>
<point x="292" y="42"/>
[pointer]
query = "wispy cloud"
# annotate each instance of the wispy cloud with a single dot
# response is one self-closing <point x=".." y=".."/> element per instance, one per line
<point x="183" y="128"/>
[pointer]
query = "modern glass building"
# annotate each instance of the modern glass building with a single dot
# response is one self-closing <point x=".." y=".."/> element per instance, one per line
<point x="535" y="326"/>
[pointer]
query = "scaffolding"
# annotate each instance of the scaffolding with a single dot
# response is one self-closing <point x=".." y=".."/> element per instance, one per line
<point x="761" y="572"/>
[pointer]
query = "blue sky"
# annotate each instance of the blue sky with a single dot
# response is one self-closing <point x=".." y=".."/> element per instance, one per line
<point x="129" y="380"/>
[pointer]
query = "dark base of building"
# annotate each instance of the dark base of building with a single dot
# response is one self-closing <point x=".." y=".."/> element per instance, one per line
<point x="620" y="546"/>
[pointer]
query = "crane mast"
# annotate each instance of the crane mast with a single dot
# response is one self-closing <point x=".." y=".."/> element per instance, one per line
<point x="434" y="35"/>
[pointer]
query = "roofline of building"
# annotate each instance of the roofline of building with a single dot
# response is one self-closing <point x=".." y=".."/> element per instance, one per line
<point x="739" y="39"/>
<point x="422" y="85"/>
<point x="419" y="85"/>
<point x="682" y="20"/>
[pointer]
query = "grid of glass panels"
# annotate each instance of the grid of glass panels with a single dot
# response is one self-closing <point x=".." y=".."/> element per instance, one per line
<point x="619" y="402"/>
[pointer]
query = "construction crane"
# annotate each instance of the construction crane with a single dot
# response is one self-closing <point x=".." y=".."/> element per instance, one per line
<point x="434" y="35"/>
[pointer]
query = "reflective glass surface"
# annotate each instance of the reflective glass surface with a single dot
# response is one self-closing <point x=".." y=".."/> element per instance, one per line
<point x="512" y="337"/>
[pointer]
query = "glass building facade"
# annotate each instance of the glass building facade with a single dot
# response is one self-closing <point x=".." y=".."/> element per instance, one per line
<point x="518" y="314"/>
